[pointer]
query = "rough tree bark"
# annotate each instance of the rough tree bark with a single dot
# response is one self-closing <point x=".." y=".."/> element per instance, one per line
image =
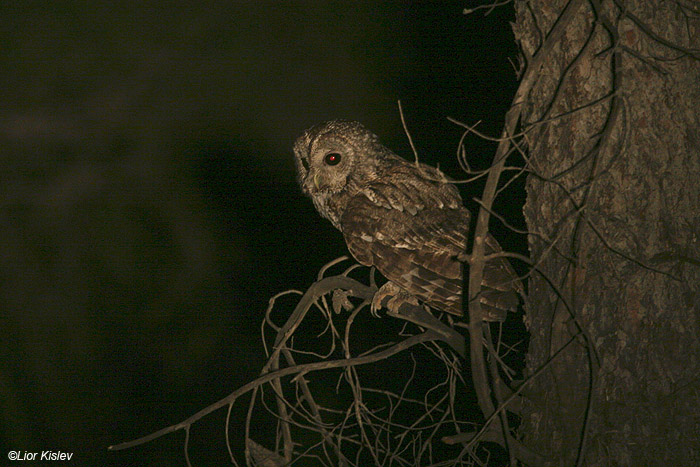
<point x="612" y="125"/>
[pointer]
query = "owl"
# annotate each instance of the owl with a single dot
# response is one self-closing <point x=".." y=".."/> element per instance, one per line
<point x="403" y="218"/>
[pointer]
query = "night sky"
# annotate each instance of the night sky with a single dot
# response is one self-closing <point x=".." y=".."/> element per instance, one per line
<point x="150" y="206"/>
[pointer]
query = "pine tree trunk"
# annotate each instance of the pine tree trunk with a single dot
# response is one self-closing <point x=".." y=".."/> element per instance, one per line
<point x="613" y="131"/>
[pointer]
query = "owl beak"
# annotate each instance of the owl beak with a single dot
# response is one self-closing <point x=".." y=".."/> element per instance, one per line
<point x="316" y="182"/>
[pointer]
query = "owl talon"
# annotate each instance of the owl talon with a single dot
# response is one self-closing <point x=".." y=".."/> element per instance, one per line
<point x="391" y="297"/>
<point x="374" y="309"/>
<point x="377" y="302"/>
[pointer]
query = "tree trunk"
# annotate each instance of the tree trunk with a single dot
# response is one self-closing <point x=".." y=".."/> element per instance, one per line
<point x="613" y="131"/>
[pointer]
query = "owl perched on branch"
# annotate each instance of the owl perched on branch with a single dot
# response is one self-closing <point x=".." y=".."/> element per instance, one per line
<point x="405" y="219"/>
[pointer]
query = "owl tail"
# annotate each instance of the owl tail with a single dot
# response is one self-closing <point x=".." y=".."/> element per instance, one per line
<point x="496" y="304"/>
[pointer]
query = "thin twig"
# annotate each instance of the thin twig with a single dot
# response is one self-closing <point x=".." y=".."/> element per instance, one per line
<point x="297" y="370"/>
<point x="408" y="134"/>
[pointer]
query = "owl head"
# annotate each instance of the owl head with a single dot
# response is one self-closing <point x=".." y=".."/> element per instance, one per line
<point x="331" y="154"/>
<point x="335" y="159"/>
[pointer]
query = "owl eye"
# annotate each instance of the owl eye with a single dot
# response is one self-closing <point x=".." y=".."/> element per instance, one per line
<point x="332" y="158"/>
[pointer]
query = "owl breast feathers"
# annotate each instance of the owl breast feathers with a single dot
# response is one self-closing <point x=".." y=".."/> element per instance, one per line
<point x="406" y="220"/>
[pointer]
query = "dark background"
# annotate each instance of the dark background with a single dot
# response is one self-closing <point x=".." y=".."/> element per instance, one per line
<point x="149" y="201"/>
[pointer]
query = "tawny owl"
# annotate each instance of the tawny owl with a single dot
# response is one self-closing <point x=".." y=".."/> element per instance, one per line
<point x="406" y="221"/>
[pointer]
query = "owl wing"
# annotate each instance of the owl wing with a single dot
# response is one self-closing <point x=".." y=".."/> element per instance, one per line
<point x="414" y="238"/>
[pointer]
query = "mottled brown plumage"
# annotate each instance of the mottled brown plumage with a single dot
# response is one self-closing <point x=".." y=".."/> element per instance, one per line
<point x="406" y="220"/>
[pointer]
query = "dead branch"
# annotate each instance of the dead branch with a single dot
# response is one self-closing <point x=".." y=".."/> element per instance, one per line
<point x="365" y="421"/>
